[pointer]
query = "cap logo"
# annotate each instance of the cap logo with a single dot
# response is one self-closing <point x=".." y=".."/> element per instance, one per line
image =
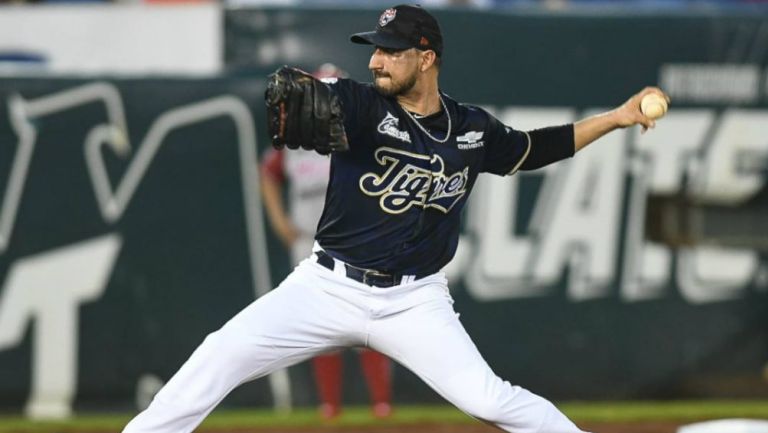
<point x="423" y="41"/>
<point x="387" y="16"/>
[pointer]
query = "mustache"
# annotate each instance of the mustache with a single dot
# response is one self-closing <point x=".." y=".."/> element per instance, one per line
<point x="380" y="75"/>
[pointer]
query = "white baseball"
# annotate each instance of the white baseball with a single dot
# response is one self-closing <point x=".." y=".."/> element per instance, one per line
<point x="653" y="105"/>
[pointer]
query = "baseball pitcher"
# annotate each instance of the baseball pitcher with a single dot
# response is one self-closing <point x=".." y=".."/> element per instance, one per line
<point x="405" y="157"/>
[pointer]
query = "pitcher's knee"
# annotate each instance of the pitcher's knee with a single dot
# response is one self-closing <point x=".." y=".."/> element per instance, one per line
<point x="485" y="409"/>
<point x="500" y="403"/>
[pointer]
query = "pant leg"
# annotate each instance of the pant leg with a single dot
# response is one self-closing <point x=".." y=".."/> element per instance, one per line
<point x="294" y="322"/>
<point x="429" y="340"/>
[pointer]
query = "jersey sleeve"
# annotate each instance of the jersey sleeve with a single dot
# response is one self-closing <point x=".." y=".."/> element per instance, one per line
<point x="355" y="101"/>
<point x="505" y="148"/>
<point x="548" y="145"/>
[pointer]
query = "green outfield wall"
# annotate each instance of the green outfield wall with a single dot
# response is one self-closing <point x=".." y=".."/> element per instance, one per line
<point x="131" y="223"/>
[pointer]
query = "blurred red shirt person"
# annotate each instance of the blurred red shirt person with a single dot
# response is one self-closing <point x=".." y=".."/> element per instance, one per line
<point x="306" y="173"/>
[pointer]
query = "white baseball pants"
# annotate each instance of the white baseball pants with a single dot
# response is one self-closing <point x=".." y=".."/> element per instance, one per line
<point x="316" y="310"/>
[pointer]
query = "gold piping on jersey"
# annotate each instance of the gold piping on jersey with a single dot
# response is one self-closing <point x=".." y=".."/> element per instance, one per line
<point x="525" y="155"/>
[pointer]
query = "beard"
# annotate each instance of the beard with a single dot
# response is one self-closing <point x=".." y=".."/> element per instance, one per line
<point x="393" y="87"/>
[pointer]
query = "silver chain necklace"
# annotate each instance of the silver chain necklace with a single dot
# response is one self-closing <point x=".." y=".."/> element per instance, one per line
<point x="447" y="134"/>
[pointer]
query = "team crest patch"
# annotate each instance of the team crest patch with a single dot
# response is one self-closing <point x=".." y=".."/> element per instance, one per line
<point x="387" y="16"/>
<point x="388" y="126"/>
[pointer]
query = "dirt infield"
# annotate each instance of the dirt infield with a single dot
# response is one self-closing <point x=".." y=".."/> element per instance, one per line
<point x="613" y="427"/>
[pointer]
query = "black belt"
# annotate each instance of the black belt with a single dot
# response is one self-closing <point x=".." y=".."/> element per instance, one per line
<point x="369" y="277"/>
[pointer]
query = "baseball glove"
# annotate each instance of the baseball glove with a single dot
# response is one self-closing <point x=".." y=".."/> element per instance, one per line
<point x="303" y="112"/>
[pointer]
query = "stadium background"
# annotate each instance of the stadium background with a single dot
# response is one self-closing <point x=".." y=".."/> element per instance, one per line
<point x="130" y="222"/>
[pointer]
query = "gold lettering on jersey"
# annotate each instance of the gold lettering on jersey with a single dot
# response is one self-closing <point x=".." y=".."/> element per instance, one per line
<point x="411" y="179"/>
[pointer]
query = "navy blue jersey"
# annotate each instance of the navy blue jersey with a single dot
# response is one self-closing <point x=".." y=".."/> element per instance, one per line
<point x="394" y="200"/>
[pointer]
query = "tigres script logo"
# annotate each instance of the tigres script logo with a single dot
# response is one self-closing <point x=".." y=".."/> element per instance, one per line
<point x="405" y="184"/>
<point x="388" y="126"/>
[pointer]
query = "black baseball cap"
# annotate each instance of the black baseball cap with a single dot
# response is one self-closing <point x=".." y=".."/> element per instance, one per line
<point x="402" y="27"/>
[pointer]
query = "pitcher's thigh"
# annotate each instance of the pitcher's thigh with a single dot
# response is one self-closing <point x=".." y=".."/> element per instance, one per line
<point x="430" y="341"/>
<point x="295" y="321"/>
<point x="282" y="328"/>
